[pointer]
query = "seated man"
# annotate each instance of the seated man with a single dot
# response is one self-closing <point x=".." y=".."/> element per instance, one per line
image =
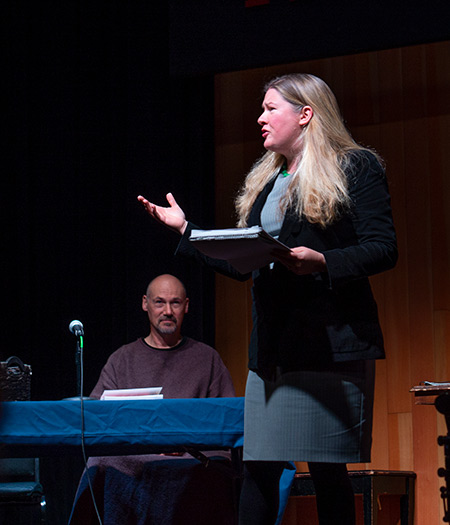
<point x="162" y="489"/>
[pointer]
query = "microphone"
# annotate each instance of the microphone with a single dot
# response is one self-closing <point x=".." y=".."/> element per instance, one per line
<point x="76" y="327"/>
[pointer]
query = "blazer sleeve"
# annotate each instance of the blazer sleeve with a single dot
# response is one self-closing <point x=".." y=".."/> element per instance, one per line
<point x="374" y="247"/>
<point x="186" y="249"/>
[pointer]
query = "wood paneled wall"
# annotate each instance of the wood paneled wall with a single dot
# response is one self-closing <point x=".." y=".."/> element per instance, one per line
<point x="397" y="101"/>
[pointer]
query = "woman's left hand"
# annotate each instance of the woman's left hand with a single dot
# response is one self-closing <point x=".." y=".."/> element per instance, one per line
<point x="302" y="261"/>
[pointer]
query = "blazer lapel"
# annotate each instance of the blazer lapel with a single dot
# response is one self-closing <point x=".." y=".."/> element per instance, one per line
<point x="291" y="226"/>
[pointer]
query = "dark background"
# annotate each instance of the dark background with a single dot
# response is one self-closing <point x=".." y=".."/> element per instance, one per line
<point x="93" y="122"/>
<point x="108" y="100"/>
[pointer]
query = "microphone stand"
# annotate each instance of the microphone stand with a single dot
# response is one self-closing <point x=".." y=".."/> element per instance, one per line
<point x="78" y="364"/>
<point x="79" y="368"/>
<point x="79" y="333"/>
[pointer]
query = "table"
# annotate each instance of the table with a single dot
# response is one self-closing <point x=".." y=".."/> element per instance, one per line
<point x="49" y="428"/>
<point x="426" y="394"/>
<point x="52" y="429"/>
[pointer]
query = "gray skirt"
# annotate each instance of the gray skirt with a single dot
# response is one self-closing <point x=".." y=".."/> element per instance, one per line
<point x="311" y="415"/>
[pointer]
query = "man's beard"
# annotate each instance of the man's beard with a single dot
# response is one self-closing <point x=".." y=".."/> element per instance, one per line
<point x="167" y="330"/>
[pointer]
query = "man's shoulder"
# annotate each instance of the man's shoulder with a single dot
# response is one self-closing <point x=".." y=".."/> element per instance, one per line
<point x="202" y="351"/>
<point x="127" y="349"/>
<point x="191" y="343"/>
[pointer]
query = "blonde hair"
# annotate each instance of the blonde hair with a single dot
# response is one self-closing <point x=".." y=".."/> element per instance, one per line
<point x="318" y="189"/>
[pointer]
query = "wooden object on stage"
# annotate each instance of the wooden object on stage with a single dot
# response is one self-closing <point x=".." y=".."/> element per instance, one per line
<point x="438" y="394"/>
<point x="426" y="392"/>
<point x="372" y="484"/>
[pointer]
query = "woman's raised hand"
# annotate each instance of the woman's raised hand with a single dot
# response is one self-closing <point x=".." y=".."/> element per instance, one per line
<point x="172" y="216"/>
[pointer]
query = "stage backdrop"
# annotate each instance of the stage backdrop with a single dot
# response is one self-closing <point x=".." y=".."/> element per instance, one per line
<point x="92" y="122"/>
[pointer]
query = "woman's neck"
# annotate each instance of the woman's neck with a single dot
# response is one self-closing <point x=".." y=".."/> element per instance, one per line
<point x="292" y="164"/>
<point x="293" y="160"/>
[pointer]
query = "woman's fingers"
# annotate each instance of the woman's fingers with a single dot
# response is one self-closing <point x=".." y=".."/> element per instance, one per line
<point x="171" y="216"/>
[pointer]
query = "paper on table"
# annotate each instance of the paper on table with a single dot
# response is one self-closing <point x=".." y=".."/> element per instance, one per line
<point x="244" y="248"/>
<point x="130" y="398"/>
<point x="133" y="393"/>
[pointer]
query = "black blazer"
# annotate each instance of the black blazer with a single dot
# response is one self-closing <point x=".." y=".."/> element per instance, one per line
<point x="314" y="320"/>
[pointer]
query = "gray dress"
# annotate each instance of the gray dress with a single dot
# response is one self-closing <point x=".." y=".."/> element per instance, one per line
<point x="320" y="415"/>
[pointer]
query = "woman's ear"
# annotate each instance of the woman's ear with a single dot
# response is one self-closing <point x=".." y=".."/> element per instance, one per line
<point x="306" y="114"/>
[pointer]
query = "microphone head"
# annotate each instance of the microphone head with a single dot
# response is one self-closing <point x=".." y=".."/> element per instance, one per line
<point x="76" y="327"/>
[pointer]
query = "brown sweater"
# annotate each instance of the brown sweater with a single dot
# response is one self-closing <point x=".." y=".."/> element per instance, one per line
<point x="191" y="369"/>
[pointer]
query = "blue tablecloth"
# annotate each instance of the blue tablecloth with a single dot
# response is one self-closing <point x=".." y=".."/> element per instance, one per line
<point x="45" y="428"/>
<point x="53" y="428"/>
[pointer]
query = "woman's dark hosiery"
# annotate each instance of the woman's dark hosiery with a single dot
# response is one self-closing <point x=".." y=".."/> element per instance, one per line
<point x="260" y="492"/>
<point x="334" y="493"/>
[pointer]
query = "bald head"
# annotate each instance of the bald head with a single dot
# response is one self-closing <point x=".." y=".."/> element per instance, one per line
<point x="166" y="281"/>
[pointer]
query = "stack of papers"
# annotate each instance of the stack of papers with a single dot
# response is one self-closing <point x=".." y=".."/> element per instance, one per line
<point x="127" y="394"/>
<point x="246" y="249"/>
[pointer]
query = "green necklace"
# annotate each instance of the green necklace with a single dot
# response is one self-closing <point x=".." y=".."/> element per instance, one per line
<point x="284" y="171"/>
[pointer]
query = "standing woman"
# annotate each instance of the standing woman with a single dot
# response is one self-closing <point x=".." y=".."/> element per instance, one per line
<point x="316" y="334"/>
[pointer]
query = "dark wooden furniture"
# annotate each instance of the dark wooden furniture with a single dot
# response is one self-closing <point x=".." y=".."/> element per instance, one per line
<point x="371" y="484"/>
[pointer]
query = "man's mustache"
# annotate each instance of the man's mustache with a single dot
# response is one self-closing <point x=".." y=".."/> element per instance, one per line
<point x="168" y="318"/>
